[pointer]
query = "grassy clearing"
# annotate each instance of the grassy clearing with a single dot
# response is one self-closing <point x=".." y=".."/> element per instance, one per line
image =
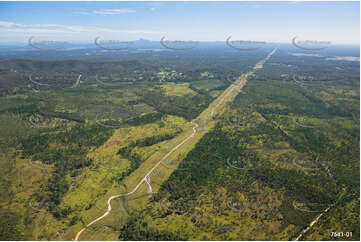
<point x="177" y="89"/>
<point x="208" y="84"/>
<point x="97" y="184"/>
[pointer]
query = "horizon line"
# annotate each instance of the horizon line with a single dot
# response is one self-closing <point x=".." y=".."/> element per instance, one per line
<point x="150" y="40"/>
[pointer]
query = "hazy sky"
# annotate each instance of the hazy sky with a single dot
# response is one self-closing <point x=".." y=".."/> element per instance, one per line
<point x="338" y="22"/>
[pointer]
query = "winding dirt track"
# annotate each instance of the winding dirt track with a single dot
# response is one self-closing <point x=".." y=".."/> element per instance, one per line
<point x="139" y="184"/>
<point x="238" y="84"/>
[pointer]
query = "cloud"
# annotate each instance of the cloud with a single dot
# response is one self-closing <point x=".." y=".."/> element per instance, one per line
<point x="61" y="28"/>
<point x="114" y="11"/>
<point x="35" y="31"/>
<point x="155" y="4"/>
<point x="10" y="24"/>
<point x="82" y="13"/>
<point x="152" y="9"/>
<point x="296" y="1"/>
